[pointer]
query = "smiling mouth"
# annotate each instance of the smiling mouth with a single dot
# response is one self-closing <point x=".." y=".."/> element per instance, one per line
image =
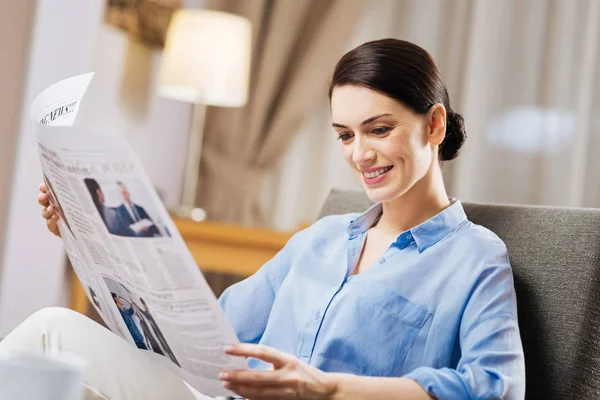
<point x="375" y="174"/>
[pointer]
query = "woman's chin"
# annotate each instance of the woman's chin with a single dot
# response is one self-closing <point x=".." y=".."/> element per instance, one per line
<point x="381" y="194"/>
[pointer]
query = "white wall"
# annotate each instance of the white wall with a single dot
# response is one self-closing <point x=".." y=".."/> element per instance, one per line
<point x="69" y="38"/>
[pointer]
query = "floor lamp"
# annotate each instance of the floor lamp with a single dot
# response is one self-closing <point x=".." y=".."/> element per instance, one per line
<point x="206" y="61"/>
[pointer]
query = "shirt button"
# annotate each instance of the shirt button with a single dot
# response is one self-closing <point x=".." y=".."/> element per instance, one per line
<point x="317" y="315"/>
<point x="408" y="237"/>
<point x="381" y="260"/>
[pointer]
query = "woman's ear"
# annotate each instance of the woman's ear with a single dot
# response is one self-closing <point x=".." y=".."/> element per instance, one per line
<point x="437" y="124"/>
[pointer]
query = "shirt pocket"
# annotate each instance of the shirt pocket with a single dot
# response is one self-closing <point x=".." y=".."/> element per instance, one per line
<point x="371" y="328"/>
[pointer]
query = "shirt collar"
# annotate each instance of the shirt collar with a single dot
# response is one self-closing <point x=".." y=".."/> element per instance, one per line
<point x="423" y="235"/>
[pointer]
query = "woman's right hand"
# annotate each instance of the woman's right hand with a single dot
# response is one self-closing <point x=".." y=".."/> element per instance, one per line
<point x="48" y="212"/>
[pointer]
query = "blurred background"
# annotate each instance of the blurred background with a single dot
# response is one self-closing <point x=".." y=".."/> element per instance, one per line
<point x="525" y="74"/>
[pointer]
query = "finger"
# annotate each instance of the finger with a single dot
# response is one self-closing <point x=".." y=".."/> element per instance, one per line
<point x="53" y="227"/>
<point x="251" y="392"/>
<point x="252" y="377"/>
<point x="48" y="212"/>
<point x="43" y="187"/>
<point x="264" y="353"/>
<point x="44" y="199"/>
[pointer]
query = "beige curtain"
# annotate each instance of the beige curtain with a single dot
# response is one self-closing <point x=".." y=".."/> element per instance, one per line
<point x="528" y="86"/>
<point x="295" y="47"/>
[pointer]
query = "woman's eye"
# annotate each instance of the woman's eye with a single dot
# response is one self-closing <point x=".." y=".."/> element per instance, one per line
<point x="344" y="137"/>
<point x="380" y="130"/>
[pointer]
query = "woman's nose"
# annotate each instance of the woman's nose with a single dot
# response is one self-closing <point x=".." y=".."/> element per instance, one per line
<point x="362" y="153"/>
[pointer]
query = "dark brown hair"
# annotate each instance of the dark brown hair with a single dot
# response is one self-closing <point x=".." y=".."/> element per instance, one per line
<point x="407" y="73"/>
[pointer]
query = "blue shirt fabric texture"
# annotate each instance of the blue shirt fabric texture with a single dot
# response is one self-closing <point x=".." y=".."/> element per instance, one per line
<point x="438" y="306"/>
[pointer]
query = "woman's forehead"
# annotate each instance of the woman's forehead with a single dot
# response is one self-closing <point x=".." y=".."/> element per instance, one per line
<point x="354" y="104"/>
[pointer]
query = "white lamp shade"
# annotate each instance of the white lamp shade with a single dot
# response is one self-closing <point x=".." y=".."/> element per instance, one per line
<point x="206" y="59"/>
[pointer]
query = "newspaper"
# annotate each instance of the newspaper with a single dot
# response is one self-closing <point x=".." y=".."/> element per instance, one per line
<point x="125" y="249"/>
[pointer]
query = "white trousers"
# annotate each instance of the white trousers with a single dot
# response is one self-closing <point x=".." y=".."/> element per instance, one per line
<point x="115" y="369"/>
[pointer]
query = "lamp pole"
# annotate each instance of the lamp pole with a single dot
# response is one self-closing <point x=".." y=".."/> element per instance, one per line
<point x="206" y="61"/>
<point x="192" y="166"/>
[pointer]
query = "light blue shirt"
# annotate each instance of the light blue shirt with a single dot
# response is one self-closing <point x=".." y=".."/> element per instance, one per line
<point x="438" y="307"/>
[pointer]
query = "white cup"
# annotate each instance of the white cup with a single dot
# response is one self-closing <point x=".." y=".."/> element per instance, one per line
<point x="40" y="376"/>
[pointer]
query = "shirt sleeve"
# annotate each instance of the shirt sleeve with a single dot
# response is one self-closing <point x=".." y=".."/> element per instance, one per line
<point x="492" y="363"/>
<point x="247" y="304"/>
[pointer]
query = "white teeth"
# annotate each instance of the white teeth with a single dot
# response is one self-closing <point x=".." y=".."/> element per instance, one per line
<point x="376" y="173"/>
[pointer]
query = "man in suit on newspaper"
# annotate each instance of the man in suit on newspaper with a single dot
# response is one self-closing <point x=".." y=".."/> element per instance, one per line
<point x="131" y="214"/>
<point x="110" y="215"/>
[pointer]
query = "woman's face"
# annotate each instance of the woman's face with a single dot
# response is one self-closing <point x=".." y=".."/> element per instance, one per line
<point x="388" y="146"/>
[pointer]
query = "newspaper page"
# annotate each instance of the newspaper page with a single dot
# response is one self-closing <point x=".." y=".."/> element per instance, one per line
<point x="124" y="247"/>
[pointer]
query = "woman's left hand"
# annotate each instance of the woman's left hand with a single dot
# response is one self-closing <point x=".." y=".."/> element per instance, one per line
<point x="290" y="378"/>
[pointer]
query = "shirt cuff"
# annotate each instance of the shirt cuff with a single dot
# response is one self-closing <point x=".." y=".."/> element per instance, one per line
<point x="444" y="383"/>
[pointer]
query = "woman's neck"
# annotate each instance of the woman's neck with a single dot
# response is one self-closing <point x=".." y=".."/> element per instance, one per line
<point x="424" y="200"/>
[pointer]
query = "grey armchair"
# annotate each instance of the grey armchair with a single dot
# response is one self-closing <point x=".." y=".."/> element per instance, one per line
<point x="555" y="256"/>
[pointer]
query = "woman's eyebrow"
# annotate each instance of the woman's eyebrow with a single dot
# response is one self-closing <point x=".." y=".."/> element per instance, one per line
<point x="365" y="122"/>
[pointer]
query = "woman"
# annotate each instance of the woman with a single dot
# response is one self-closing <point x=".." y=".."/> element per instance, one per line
<point x="407" y="300"/>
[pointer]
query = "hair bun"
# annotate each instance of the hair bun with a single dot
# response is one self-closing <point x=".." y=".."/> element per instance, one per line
<point x="455" y="136"/>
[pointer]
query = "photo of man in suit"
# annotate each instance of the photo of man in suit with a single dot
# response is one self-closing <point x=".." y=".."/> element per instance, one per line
<point x="110" y="215"/>
<point x="131" y="214"/>
<point x="127" y="218"/>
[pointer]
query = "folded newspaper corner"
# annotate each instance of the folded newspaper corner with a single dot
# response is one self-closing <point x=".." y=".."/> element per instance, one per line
<point x="126" y="251"/>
